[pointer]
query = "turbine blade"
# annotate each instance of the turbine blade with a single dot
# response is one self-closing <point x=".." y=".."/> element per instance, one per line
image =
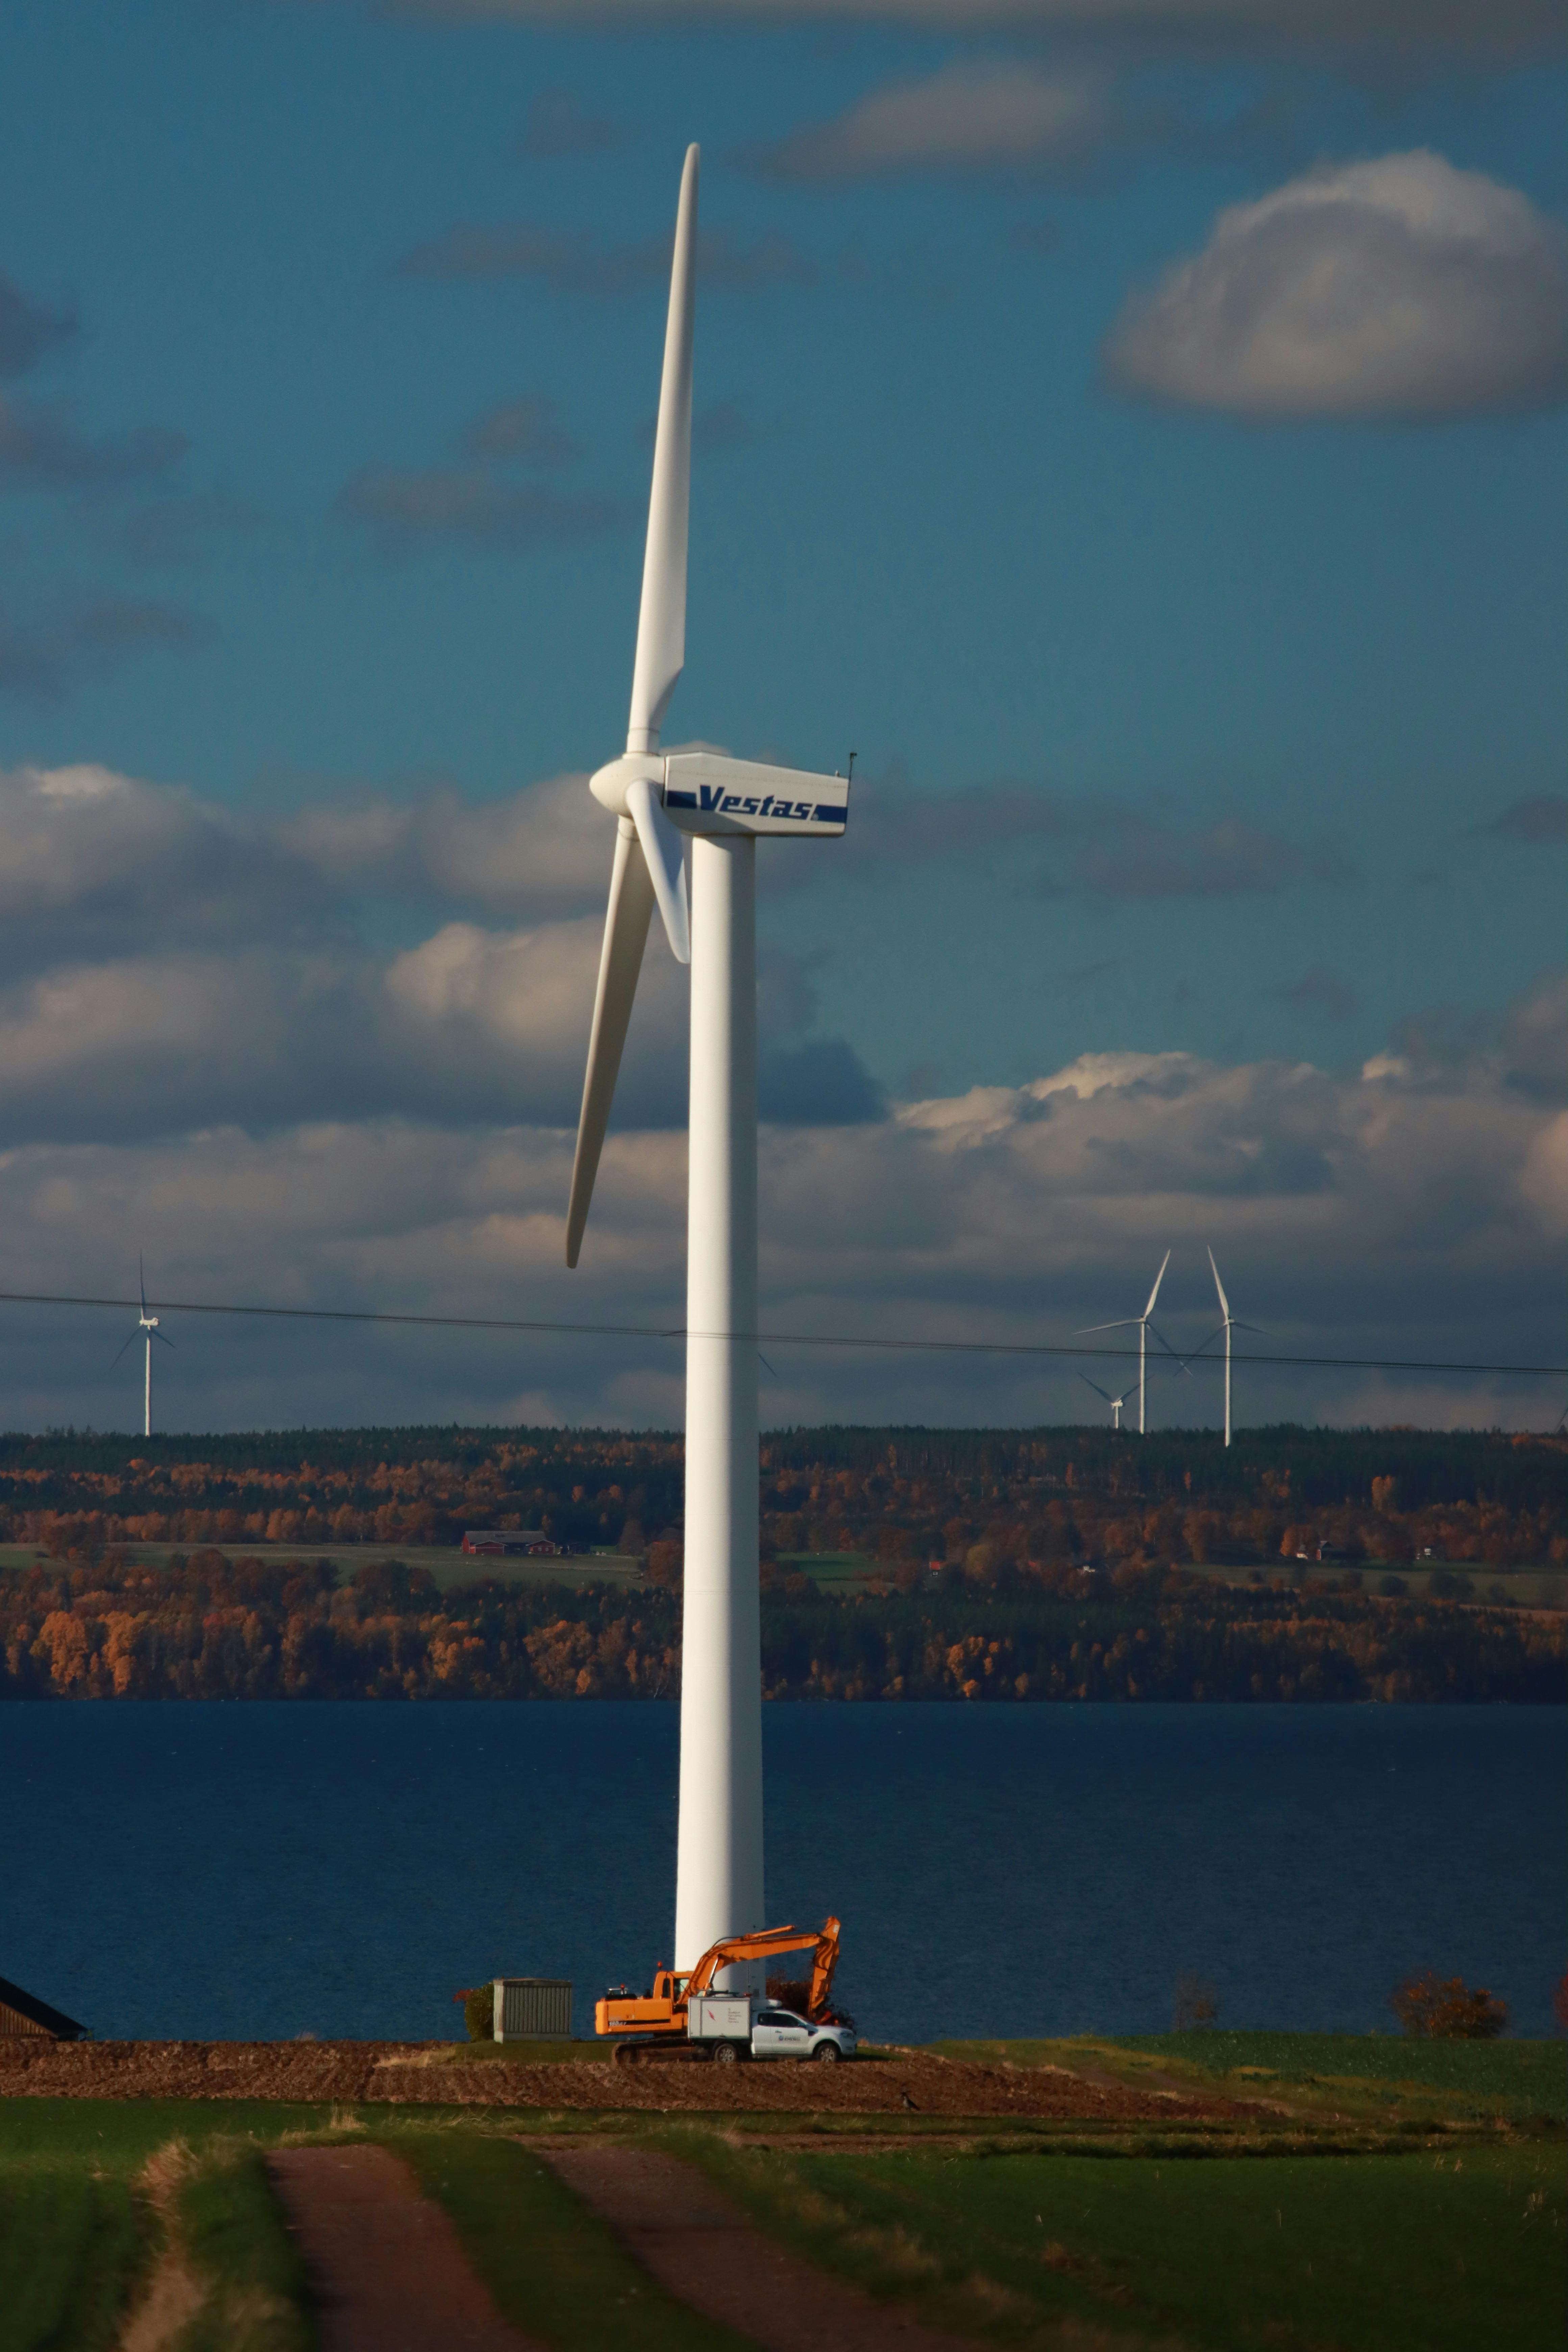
<point x="661" y="623"/>
<point x="1164" y="1342"/>
<point x="1224" y="1301"/>
<point x="666" y="861"/>
<point x="1155" y="1294"/>
<point x="164" y="1337"/>
<point x="620" y="961"/>
<point x="120" y="1351"/>
<point x="1259" y="1328"/>
<point x="1096" y="1387"/>
<point x="141" y="1281"/>
<point x="1086" y="1330"/>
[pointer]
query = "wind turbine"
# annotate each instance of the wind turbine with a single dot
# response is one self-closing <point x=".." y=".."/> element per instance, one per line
<point x="1144" y="1328"/>
<point x="1228" y="1327"/>
<point x="147" y="1324"/>
<point x="1115" y="1403"/>
<point x="720" y="806"/>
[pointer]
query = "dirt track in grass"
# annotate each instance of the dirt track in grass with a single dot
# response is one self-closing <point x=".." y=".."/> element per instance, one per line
<point x="913" y="2082"/>
<point x="702" y="2249"/>
<point x="388" y="2270"/>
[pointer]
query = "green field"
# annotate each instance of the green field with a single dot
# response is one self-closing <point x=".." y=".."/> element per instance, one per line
<point x="1541" y="1587"/>
<point x="1417" y="2253"/>
<point x="1386" y="2196"/>
<point x="448" y="1566"/>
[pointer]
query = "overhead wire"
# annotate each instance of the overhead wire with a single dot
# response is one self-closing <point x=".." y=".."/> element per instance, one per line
<point x="541" y="1327"/>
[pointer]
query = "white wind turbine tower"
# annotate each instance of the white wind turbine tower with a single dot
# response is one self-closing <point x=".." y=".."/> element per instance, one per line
<point x="1144" y="1328"/>
<point x="1228" y="1327"/>
<point x="719" y="805"/>
<point x="148" y="1325"/>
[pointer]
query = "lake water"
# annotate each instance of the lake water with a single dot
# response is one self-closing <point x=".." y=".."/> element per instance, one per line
<point x="265" y="1869"/>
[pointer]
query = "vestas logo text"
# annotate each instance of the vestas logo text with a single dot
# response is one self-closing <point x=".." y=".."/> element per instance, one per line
<point x="713" y="801"/>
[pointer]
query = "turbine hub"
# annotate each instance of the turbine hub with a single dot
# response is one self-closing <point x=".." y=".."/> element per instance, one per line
<point x="608" y="786"/>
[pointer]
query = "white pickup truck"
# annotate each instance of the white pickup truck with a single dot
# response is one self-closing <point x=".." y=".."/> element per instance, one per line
<point x="738" y="2025"/>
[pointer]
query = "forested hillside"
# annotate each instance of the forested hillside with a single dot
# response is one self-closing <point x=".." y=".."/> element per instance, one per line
<point x="208" y="1627"/>
<point x="987" y="1500"/>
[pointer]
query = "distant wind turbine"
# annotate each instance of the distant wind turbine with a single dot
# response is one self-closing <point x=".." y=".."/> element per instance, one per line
<point x="1228" y="1327"/>
<point x="147" y="1324"/>
<point x="1115" y="1403"/>
<point x="1143" y="1327"/>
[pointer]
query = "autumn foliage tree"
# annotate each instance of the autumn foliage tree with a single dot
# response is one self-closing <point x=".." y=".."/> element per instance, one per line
<point x="1448" y="2009"/>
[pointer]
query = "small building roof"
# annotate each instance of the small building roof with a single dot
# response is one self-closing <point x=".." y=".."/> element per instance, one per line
<point x="38" y="2013"/>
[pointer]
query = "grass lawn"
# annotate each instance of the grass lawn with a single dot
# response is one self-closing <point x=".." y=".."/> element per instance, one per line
<point x="81" y="2222"/>
<point x="1417" y="2253"/>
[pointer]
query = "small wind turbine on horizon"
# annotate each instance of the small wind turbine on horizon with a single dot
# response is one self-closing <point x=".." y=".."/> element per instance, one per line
<point x="1228" y="1327"/>
<point x="147" y="1325"/>
<point x="1115" y="1403"/>
<point x="669" y="806"/>
<point x="1144" y="1327"/>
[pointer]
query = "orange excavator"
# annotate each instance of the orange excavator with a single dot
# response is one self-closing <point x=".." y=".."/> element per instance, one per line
<point x="664" y="2010"/>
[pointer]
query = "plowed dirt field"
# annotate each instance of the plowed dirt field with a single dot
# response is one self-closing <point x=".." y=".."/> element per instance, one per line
<point x="411" y="2074"/>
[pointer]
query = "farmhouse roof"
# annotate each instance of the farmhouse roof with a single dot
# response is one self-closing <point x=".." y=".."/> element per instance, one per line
<point x="23" y="2012"/>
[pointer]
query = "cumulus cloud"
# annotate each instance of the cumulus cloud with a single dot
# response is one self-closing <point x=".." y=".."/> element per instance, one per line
<point x="30" y="330"/>
<point x="1400" y="288"/>
<point x="91" y="861"/>
<point x="167" y="963"/>
<point x="977" y="114"/>
<point x="1407" y="1210"/>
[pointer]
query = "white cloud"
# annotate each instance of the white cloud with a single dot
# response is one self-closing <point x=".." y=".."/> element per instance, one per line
<point x="1397" y="288"/>
<point x="978" y="115"/>
<point x="1417" y="1212"/>
<point x="545" y="850"/>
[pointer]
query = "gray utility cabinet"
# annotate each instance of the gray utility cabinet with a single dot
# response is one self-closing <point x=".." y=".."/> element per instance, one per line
<point x="532" y="2009"/>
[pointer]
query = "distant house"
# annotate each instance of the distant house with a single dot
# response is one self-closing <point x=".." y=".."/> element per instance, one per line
<point x="532" y="1542"/>
<point x="21" y="2014"/>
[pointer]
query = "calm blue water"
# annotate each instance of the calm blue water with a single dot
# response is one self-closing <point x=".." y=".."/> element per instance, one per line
<point x="264" y="1869"/>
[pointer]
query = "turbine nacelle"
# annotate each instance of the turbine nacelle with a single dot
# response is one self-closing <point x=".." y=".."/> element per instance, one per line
<point x="708" y="792"/>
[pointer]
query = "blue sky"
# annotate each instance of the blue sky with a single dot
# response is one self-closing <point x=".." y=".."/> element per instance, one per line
<point x="1204" y="670"/>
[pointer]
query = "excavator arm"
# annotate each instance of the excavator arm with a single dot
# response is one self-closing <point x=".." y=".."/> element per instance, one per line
<point x="821" y="1942"/>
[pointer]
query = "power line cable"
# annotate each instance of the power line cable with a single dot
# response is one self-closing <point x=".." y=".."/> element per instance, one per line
<point x="771" y="1338"/>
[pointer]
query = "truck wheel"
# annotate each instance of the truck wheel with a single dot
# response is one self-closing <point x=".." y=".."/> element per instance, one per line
<point x="725" y="2054"/>
<point x="827" y="2054"/>
<point x="626" y="2055"/>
